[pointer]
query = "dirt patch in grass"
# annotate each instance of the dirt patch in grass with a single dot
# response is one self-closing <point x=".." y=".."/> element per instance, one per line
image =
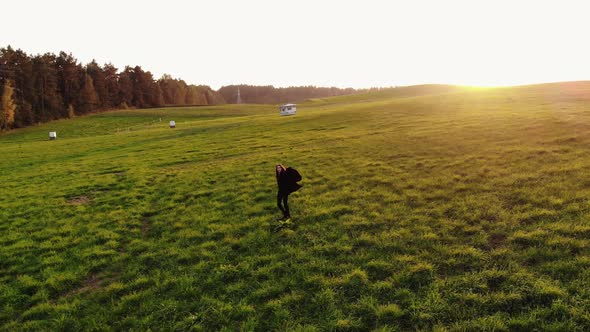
<point x="496" y="240"/>
<point x="146" y="222"/>
<point x="83" y="199"/>
<point x="145" y="226"/>
<point x="91" y="284"/>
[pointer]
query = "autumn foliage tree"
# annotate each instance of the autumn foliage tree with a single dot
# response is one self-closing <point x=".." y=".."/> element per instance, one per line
<point x="7" y="106"/>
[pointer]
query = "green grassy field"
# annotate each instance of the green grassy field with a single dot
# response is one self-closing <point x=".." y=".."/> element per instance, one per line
<point x="425" y="208"/>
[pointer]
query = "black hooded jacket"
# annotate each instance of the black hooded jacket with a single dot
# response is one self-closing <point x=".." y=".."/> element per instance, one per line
<point x="287" y="179"/>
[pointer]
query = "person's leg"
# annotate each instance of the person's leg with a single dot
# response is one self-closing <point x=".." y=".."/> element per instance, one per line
<point x="279" y="198"/>
<point x="286" y="205"/>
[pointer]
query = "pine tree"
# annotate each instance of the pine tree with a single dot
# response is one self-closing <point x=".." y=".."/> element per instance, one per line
<point x="68" y="73"/>
<point x="158" y="96"/>
<point x="191" y="96"/>
<point x="125" y="88"/>
<point x="8" y="106"/>
<point x="24" y="88"/>
<point x="98" y="80"/>
<point x="47" y="101"/>
<point x="71" y="112"/>
<point x="88" y="97"/>
<point x="112" y="86"/>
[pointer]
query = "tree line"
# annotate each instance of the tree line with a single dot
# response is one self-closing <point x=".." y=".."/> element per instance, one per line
<point x="44" y="87"/>
<point x="252" y="94"/>
<point x="177" y="92"/>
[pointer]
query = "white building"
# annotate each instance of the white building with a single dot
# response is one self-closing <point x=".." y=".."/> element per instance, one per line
<point x="288" y="109"/>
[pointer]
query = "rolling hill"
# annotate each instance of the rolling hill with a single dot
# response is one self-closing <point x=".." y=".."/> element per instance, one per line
<point x="422" y="208"/>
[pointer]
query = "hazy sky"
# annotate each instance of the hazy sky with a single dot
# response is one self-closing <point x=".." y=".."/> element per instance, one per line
<point x="320" y="42"/>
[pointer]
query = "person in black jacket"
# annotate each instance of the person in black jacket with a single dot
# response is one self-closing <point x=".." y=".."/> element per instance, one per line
<point x="287" y="179"/>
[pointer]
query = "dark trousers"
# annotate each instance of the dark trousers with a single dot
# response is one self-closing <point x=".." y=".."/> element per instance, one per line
<point x="283" y="197"/>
